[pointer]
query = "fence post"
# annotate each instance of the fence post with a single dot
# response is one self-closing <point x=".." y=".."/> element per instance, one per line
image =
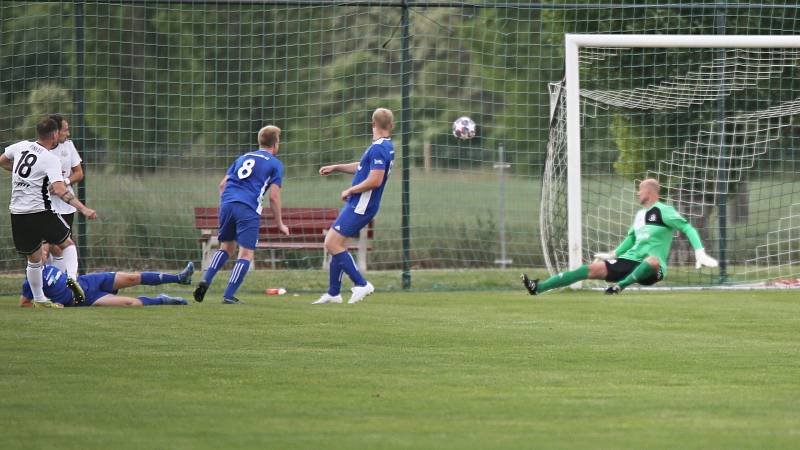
<point x="80" y="126"/>
<point x="405" y="132"/>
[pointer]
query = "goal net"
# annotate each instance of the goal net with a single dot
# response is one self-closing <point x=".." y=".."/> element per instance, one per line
<point x="714" y="121"/>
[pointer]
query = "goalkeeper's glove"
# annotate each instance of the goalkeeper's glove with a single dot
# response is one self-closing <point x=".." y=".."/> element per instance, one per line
<point x="701" y="259"/>
<point x="605" y="256"/>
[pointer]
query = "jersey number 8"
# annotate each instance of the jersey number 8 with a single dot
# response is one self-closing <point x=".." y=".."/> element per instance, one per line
<point x="247" y="169"/>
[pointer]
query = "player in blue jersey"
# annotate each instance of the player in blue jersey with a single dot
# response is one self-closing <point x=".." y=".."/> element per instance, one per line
<point x="246" y="181"/>
<point x="101" y="288"/>
<point x="362" y="201"/>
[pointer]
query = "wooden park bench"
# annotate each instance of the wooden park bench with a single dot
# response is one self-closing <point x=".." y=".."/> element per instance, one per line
<point x="307" y="228"/>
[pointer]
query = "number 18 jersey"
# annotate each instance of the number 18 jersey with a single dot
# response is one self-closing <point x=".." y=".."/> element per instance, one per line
<point x="250" y="176"/>
<point x="34" y="168"/>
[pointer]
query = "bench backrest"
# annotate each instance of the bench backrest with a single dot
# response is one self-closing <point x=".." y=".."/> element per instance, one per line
<point x="303" y="223"/>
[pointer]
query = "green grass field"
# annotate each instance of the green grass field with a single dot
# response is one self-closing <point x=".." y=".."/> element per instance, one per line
<point x="455" y="369"/>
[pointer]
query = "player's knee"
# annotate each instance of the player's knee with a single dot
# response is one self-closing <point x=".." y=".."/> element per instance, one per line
<point x="653" y="261"/>
<point x="246" y="253"/>
<point x="120" y="302"/>
<point x="332" y="244"/>
<point x="597" y="270"/>
<point x="227" y="247"/>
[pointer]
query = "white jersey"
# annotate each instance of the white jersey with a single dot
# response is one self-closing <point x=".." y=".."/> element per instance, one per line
<point x="68" y="155"/>
<point x="33" y="169"/>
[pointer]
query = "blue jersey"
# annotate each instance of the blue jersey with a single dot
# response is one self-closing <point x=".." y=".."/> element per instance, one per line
<point x="379" y="156"/>
<point x="54" y="287"/>
<point x="250" y="176"/>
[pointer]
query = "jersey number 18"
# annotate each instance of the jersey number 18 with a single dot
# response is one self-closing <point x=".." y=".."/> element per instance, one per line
<point x="25" y="165"/>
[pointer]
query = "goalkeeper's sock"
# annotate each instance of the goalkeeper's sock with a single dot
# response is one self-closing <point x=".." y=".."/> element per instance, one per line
<point x="156" y="278"/>
<point x="237" y="277"/>
<point x="348" y="265"/>
<point x="151" y="301"/>
<point x="70" y="255"/>
<point x="563" y="279"/>
<point x="642" y="272"/>
<point x="217" y="262"/>
<point x="335" y="278"/>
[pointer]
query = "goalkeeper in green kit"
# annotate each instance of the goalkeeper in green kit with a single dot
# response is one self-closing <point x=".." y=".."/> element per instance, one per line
<point x="642" y="255"/>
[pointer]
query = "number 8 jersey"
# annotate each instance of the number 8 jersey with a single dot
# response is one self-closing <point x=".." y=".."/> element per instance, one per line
<point x="250" y="176"/>
<point x="33" y="169"/>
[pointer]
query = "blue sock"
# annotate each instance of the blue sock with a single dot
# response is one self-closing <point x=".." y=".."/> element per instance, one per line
<point x="335" y="278"/>
<point x="151" y="301"/>
<point x="237" y="276"/>
<point x="346" y="263"/>
<point x="156" y="278"/>
<point x="217" y="261"/>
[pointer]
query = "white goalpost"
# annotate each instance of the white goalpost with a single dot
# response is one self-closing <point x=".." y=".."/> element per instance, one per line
<point x="705" y="84"/>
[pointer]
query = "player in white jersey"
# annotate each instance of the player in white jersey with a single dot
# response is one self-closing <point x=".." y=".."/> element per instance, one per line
<point x="35" y="174"/>
<point x="72" y="172"/>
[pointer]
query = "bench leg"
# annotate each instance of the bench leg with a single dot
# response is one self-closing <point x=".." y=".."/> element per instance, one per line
<point x="326" y="261"/>
<point x="208" y="252"/>
<point x="362" y="250"/>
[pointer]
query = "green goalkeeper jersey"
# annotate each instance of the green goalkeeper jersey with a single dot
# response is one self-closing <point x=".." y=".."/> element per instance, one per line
<point x="651" y="234"/>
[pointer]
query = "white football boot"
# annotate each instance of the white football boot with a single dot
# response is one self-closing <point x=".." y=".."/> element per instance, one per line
<point x="328" y="298"/>
<point x="359" y="292"/>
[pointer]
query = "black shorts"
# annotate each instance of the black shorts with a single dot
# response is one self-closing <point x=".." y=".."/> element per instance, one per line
<point x="621" y="268"/>
<point x="30" y="230"/>
<point x="69" y="218"/>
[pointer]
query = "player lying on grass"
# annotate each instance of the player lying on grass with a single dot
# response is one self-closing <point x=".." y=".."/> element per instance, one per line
<point x="642" y="255"/>
<point x="101" y="288"/>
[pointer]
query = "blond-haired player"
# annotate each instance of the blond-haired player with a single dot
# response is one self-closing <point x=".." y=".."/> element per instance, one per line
<point x="247" y="180"/>
<point x="362" y="201"/>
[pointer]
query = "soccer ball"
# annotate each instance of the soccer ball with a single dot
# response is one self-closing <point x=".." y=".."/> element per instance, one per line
<point x="464" y="128"/>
